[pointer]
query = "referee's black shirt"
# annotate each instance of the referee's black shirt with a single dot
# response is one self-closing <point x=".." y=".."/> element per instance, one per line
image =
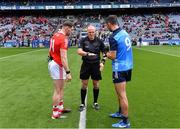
<point x="94" y="46"/>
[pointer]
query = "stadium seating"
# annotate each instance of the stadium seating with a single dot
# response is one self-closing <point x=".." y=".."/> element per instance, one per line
<point x="23" y="30"/>
<point x="150" y="26"/>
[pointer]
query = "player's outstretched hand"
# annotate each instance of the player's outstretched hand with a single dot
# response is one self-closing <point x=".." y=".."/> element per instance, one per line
<point x="68" y="77"/>
<point x="91" y="54"/>
<point x="101" y="67"/>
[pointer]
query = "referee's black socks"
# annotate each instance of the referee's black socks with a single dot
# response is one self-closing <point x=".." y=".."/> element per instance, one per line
<point x="96" y="94"/>
<point x="83" y="95"/>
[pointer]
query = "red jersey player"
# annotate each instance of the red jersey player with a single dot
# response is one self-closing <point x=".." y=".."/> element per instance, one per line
<point x="58" y="66"/>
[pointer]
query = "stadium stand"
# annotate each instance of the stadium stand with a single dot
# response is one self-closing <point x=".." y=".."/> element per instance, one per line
<point x="148" y="27"/>
<point x="24" y="29"/>
<point x="36" y="31"/>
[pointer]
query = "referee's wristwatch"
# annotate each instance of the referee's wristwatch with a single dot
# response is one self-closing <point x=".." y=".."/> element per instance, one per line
<point x="68" y="72"/>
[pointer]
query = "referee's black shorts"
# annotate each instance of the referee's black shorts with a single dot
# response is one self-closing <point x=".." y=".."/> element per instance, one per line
<point x="90" y="69"/>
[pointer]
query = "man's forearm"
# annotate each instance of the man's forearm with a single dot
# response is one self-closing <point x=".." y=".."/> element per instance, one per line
<point x="65" y="64"/>
<point x="64" y="59"/>
<point x="81" y="52"/>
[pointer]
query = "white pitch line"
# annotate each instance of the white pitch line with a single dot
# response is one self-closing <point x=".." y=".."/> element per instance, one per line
<point x="158" y="52"/>
<point x="19" y="54"/>
<point x="82" y="119"/>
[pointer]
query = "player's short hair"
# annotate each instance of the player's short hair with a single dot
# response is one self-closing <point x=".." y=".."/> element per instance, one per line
<point x="112" y="19"/>
<point x="68" y="24"/>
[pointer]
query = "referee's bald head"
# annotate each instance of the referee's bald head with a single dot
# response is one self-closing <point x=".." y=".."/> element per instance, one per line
<point x="91" y="30"/>
<point x="91" y="27"/>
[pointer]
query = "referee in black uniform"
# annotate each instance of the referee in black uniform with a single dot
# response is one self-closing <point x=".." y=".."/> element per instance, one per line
<point x="90" y="48"/>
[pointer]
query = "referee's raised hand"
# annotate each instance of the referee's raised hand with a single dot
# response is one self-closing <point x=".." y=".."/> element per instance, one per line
<point x="91" y="54"/>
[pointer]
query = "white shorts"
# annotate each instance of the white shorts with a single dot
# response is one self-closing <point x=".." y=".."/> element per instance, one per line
<point x="56" y="71"/>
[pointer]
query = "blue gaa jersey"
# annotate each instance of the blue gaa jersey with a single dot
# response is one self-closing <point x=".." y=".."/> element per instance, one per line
<point x="121" y="43"/>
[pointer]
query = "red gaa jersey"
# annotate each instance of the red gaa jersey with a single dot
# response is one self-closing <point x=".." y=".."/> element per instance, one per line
<point x="57" y="42"/>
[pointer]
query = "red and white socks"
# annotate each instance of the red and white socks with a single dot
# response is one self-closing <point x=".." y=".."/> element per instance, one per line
<point x="60" y="106"/>
<point x="57" y="110"/>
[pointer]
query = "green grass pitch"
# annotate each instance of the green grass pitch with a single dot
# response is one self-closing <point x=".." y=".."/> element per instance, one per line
<point x="26" y="90"/>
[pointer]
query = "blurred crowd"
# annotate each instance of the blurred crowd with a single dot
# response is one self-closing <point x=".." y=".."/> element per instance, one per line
<point x="25" y="30"/>
<point x="37" y="31"/>
<point x="162" y="27"/>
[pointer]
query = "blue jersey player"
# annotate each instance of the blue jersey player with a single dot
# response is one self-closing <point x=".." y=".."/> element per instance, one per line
<point x="122" y="63"/>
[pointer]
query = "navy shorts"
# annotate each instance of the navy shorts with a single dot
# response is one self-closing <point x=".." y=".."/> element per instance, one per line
<point x="122" y="76"/>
